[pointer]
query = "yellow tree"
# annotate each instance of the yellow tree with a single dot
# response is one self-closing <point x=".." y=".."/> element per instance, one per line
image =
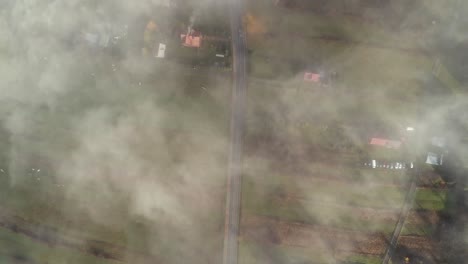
<point x="254" y="25"/>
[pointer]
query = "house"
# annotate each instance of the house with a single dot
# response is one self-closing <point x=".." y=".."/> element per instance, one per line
<point x="394" y="144"/>
<point x="191" y="39"/>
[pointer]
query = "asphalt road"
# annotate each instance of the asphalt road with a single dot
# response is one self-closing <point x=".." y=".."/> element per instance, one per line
<point x="238" y="105"/>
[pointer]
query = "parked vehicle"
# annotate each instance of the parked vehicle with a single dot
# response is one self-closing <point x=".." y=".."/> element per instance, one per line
<point x="375" y="164"/>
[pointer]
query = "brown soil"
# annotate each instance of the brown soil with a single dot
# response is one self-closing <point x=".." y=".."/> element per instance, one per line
<point x="326" y="238"/>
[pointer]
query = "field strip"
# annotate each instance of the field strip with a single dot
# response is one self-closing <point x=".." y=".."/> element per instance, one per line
<point x="275" y="231"/>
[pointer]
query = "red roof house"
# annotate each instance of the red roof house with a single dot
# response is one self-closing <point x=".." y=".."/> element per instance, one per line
<point x="395" y="144"/>
<point x="311" y="77"/>
<point x="191" y="39"/>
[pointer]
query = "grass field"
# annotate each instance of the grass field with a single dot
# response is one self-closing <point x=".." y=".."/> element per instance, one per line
<point x="319" y="203"/>
<point x="16" y="248"/>
<point x="417" y="230"/>
<point x="308" y="187"/>
<point x="431" y="199"/>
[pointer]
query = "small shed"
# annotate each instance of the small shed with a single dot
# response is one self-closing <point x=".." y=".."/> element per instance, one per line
<point x="161" y="51"/>
<point x="311" y="77"/>
<point x="434" y="159"/>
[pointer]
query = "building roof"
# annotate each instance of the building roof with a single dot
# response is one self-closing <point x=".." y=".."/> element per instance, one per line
<point x="386" y="143"/>
<point x="161" y="51"/>
<point x="434" y="159"/>
<point x="192" y="39"/>
<point x="311" y="77"/>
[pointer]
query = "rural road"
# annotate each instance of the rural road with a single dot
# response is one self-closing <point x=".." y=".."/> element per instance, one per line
<point x="238" y="105"/>
<point x="408" y="204"/>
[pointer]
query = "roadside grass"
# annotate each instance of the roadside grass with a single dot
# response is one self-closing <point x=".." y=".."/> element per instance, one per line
<point x="362" y="259"/>
<point x="16" y="247"/>
<point x="251" y="252"/>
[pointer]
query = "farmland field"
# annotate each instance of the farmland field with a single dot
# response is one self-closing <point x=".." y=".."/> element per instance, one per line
<point x="294" y="131"/>
<point x="307" y="143"/>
